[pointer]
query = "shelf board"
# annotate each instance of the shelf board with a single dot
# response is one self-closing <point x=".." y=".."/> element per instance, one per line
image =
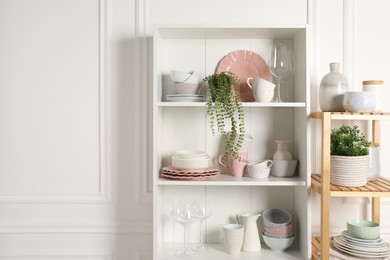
<point x="377" y="188"/>
<point x="227" y="180"/>
<point x="244" y="104"/>
<point x="217" y="252"/>
<point x="352" y="116"/>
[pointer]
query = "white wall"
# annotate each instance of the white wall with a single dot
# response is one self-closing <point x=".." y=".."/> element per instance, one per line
<point x="74" y="99"/>
<point x="354" y="34"/>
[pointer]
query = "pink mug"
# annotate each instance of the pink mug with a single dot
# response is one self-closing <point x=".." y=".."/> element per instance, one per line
<point x="236" y="166"/>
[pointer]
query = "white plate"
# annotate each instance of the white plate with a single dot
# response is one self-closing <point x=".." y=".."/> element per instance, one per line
<point x="385" y="249"/>
<point x="346" y="234"/>
<point x="190" y="154"/>
<point x="361" y="254"/>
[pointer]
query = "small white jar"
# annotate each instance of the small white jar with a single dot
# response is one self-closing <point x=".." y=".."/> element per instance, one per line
<point x="375" y="86"/>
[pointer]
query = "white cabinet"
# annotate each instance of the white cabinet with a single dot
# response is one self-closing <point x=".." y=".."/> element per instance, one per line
<point x="184" y="125"/>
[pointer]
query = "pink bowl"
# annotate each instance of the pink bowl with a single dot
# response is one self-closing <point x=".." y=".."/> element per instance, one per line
<point x="283" y="230"/>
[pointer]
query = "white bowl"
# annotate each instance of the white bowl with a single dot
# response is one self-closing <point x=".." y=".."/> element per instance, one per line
<point x="284" y="168"/>
<point x="359" y="101"/>
<point x="186" y="88"/>
<point x="184" y="77"/>
<point x="275" y="217"/>
<point x="278" y="244"/>
<point x="260" y="169"/>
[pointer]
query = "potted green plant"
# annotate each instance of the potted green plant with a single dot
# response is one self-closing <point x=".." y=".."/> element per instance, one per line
<point x="224" y="104"/>
<point x="349" y="156"/>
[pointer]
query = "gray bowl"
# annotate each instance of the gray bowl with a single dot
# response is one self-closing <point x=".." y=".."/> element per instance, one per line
<point x="284" y="168"/>
<point x="275" y="217"/>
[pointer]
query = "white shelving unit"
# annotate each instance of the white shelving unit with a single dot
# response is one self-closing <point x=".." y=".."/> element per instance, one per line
<point x="184" y="125"/>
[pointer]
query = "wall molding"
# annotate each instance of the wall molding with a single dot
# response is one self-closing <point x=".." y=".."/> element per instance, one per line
<point x="142" y="94"/>
<point x="103" y="195"/>
<point x="144" y="255"/>
<point x="53" y="255"/>
<point x="139" y="227"/>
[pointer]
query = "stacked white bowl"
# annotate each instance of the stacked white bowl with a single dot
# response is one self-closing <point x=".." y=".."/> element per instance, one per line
<point x="185" y="82"/>
<point x="190" y="160"/>
<point x="278" y="229"/>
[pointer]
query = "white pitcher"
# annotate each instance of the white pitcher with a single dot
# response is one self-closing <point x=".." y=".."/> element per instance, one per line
<point x="251" y="233"/>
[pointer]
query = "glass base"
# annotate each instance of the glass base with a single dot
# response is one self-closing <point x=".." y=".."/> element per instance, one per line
<point x="184" y="252"/>
<point x="198" y="247"/>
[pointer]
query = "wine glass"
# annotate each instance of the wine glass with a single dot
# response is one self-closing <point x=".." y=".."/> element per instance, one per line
<point x="202" y="211"/>
<point x="280" y="64"/>
<point x="170" y="215"/>
<point x="184" y="215"/>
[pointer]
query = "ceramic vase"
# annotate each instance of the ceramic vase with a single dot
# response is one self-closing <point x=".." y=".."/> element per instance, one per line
<point x="282" y="153"/>
<point x="332" y="88"/>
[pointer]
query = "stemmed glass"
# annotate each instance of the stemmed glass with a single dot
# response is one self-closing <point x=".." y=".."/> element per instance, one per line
<point x="202" y="211"/>
<point x="184" y="215"/>
<point x="280" y="64"/>
<point x="170" y="215"/>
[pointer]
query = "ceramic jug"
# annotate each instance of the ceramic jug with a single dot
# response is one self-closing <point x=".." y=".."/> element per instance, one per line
<point x="251" y="233"/>
<point x="282" y="153"/>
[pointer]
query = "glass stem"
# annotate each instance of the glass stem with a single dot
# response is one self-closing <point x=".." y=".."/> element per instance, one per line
<point x="184" y="239"/>
<point x="200" y="233"/>
<point x="278" y="99"/>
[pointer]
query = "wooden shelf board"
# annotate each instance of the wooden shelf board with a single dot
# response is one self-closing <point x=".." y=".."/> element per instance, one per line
<point x="352" y="115"/>
<point x="377" y="188"/>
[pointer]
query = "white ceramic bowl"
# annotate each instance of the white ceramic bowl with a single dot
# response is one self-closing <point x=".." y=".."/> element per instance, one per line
<point x="284" y="168"/>
<point x="184" y="77"/>
<point x="363" y="229"/>
<point x="275" y="217"/>
<point x="359" y="101"/>
<point x="259" y="170"/>
<point x="278" y="244"/>
<point x="186" y="88"/>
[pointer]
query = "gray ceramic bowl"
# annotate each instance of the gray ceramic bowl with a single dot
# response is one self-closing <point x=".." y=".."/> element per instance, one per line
<point x="284" y="168"/>
<point x="275" y="217"/>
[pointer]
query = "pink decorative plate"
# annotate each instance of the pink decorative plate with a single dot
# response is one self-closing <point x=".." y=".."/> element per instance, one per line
<point x="244" y="64"/>
<point x="190" y="174"/>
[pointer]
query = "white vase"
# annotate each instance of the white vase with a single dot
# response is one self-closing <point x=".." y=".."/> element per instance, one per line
<point x="374" y="167"/>
<point x="332" y="88"/>
<point x="282" y="153"/>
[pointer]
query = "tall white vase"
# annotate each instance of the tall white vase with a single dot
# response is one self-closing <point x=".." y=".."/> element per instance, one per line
<point x="332" y="88"/>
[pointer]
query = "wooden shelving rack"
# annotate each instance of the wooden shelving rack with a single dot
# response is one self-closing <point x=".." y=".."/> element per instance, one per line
<point x="321" y="182"/>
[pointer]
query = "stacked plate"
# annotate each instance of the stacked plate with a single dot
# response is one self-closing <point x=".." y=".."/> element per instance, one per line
<point x="190" y="165"/>
<point x="189" y="175"/>
<point x="364" y="248"/>
<point x="185" y="160"/>
<point x="185" y="98"/>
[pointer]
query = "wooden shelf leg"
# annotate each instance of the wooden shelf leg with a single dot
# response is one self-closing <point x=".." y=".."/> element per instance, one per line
<point x="375" y="209"/>
<point x="325" y="189"/>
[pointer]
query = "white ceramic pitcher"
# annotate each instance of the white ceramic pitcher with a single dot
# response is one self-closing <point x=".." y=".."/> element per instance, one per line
<point x="251" y="233"/>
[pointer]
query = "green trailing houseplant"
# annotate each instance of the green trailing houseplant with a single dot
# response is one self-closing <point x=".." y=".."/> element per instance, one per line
<point x="348" y="141"/>
<point x="224" y="104"/>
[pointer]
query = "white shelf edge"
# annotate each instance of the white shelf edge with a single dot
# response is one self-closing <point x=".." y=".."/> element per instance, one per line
<point x="245" y="104"/>
<point x="217" y="252"/>
<point x="226" y="180"/>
